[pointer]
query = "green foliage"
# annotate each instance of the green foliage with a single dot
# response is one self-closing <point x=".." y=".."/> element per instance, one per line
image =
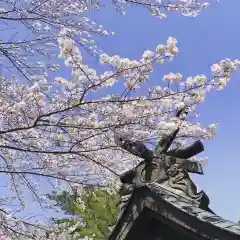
<point x="96" y="211"/>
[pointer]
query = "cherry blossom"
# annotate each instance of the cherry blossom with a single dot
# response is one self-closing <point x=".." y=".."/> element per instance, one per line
<point x="57" y="130"/>
<point x="41" y="21"/>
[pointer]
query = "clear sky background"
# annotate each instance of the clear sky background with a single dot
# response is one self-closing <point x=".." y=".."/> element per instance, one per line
<point x="204" y="40"/>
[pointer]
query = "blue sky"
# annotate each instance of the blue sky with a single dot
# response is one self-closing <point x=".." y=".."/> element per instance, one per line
<point x="212" y="36"/>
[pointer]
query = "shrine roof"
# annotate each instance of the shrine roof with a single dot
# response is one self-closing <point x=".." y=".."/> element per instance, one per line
<point x="176" y="208"/>
<point x="190" y="207"/>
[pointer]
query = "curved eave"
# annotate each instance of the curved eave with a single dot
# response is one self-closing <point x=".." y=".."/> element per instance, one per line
<point x="177" y="209"/>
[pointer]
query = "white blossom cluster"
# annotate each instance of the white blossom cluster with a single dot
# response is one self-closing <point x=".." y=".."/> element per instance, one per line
<point x="40" y="21"/>
<point x="159" y="8"/>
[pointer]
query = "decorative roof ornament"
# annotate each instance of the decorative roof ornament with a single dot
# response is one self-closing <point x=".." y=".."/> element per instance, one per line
<point x="169" y="168"/>
<point x="160" y="201"/>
